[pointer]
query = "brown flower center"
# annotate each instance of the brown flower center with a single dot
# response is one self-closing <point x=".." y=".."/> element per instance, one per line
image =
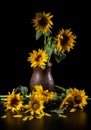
<point x="77" y="99"/>
<point x="35" y="105"/>
<point x="14" y="102"/>
<point x="70" y="102"/>
<point x="37" y="58"/>
<point x="64" y="40"/>
<point x="43" y="21"/>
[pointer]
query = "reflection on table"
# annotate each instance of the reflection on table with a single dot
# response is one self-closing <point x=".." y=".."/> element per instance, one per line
<point x="79" y="120"/>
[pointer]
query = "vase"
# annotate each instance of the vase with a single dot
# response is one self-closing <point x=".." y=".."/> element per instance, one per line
<point x="42" y="77"/>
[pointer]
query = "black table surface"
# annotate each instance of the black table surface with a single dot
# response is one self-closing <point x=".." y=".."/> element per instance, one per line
<point x="79" y="120"/>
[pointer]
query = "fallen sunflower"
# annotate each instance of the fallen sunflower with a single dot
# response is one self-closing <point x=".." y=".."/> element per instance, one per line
<point x="35" y="108"/>
<point x="40" y="103"/>
<point x="74" y="99"/>
<point x="14" y="102"/>
<point x="46" y="95"/>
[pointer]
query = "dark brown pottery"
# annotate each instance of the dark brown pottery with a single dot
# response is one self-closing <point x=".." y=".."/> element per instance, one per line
<point x="42" y="77"/>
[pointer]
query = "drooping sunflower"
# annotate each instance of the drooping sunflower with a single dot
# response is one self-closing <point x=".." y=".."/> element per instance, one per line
<point x="46" y="95"/>
<point x="67" y="102"/>
<point x="14" y="102"/>
<point x="65" y="40"/>
<point x="80" y="98"/>
<point x="42" y="22"/>
<point x="38" y="58"/>
<point x="74" y="99"/>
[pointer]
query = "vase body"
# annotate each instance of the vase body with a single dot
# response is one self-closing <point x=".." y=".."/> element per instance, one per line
<point x="42" y="77"/>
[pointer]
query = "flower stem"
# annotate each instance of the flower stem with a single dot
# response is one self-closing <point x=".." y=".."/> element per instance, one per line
<point x="4" y="97"/>
<point x="44" y="41"/>
<point x="88" y="98"/>
<point x="59" y="87"/>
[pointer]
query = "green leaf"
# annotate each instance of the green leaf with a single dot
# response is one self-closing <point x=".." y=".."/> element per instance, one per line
<point x="57" y="111"/>
<point x="67" y="91"/>
<point x="50" y="46"/>
<point x="49" y="41"/>
<point x="53" y="46"/>
<point x="38" y="35"/>
<point x="59" y="56"/>
<point x="23" y="90"/>
<point x="43" y="67"/>
<point x="47" y="34"/>
<point x="48" y="49"/>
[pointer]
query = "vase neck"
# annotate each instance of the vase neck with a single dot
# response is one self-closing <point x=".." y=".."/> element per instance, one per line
<point x="48" y="67"/>
<point x="49" y="64"/>
<point x="37" y="69"/>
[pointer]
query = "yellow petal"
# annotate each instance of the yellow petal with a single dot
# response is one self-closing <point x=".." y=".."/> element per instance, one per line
<point x="62" y="115"/>
<point x="17" y="115"/>
<point x="73" y="110"/>
<point x="4" y="116"/>
<point x="25" y="118"/>
<point x="31" y="117"/>
<point x="46" y="114"/>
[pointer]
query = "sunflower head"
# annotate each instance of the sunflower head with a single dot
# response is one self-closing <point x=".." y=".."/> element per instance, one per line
<point x="36" y="105"/>
<point x="46" y="95"/>
<point x="14" y="101"/>
<point x="42" y="22"/>
<point x="80" y="98"/>
<point x="65" y="40"/>
<point x="74" y="99"/>
<point x="38" y="58"/>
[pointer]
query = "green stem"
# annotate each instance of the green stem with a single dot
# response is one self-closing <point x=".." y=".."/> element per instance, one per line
<point x="4" y="97"/>
<point x="88" y="98"/>
<point x="59" y="87"/>
<point x="44" y="41"/>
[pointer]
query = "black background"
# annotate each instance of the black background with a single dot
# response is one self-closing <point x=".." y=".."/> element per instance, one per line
<point x="18" y="39"/>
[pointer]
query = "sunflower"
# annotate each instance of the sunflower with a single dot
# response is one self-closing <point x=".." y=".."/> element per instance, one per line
<point x="45" y="94"/>
<point x="65" y="40"/>
<point x="67" y="102"/>
<point x="35" y="107"/>
<point x="74" y="99"/>
<point x="42" y="22"/>
<point x="38" y="58"/>
<point x="80" y="98"/>
<point x="14" y="102"/>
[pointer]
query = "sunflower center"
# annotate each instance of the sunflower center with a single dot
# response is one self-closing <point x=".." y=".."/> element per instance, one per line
<point x="14" y="102"/>
<point x="37" y="58"/>
<point x="78" y="99"/>
<point x="70" y="102"/>
<point x="43" y="21"/>
<point x="64" y="40"/>
<point x="35" y="106"/>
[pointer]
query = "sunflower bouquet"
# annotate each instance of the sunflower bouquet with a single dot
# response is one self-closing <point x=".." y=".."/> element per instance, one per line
<point x="39" y="102"/>
<point x="56" y="45"/>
